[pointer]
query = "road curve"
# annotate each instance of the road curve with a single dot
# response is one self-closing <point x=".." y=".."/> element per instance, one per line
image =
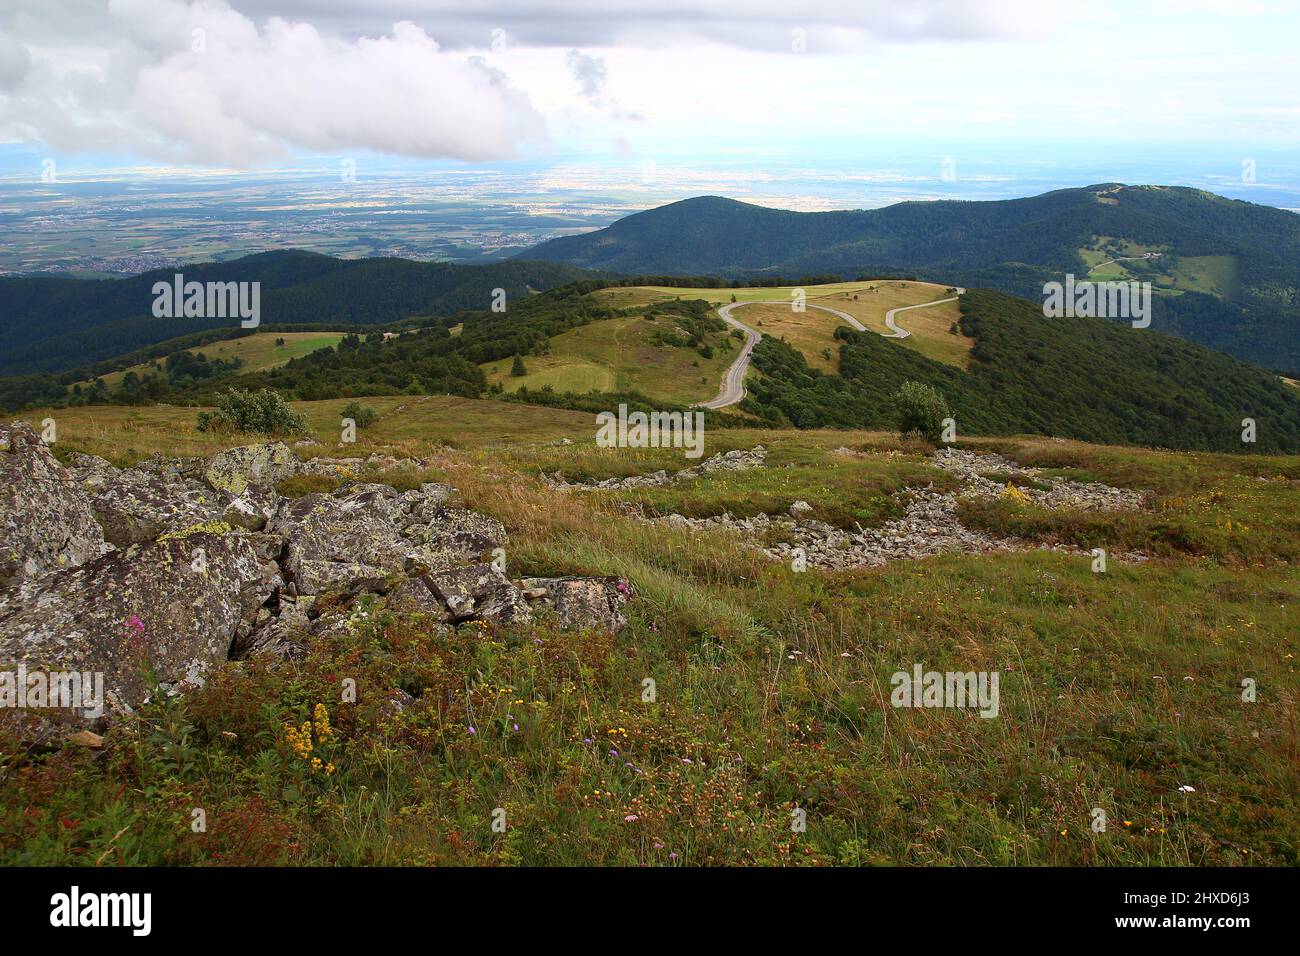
<point x="895" y="332"/>
<point x="733" y="383"/>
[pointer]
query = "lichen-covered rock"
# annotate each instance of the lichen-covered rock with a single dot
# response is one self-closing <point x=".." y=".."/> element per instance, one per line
<point x="333" y="539"/>
<point x="279" y="633"/>
<point x="45" y="517"/>
<point x="94" y="473"/>
<point x="136" y="508"/>
<point x="423" y="504"/>
<point x="235" y="469"/>
<point x="252" y="509"/>
<point x="452" y="537"/>
<point x="169" y="608"/>
<point x="477" y="592"/>
<point x="580" y="602"/>
<point x="369" y="531"/>
<point x="173" y="469"/>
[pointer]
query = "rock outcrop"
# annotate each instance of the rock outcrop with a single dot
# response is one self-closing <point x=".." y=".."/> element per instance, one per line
<point x="151" y="576"/>
<point x="46" y="520"/>
<point x="165" y="609"/>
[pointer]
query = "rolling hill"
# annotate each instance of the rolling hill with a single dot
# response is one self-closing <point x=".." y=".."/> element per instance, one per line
<point x="1226" y="273"/>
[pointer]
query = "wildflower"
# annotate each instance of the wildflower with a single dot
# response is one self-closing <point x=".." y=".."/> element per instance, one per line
<point x="472" y="731"/>
<point x="631" y="818"/>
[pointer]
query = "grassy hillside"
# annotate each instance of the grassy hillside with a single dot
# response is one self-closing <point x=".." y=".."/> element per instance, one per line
<point x="1228" y="276"/>
<point x="1006" y="369"/>
<point x="1118" y="690"/>
<point x="647" y="353"/>
<point x="256" y="352"/>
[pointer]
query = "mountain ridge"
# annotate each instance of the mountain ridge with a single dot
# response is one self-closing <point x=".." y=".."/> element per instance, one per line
<point x="1227" y="274"/>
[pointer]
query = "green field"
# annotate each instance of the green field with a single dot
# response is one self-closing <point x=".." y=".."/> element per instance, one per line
<point x="1120" y="260"/>
<point x="258" y="351"/>
<point x="620" y="355"/>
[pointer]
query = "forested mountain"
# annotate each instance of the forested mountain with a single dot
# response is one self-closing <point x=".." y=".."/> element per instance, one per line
<point x="1226" y="272"/>
<point x="52" y="324"/>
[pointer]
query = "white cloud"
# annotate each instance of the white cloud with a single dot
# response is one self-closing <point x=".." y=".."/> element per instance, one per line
<point x="201" y="82"/>
<point x="756" y="24"/>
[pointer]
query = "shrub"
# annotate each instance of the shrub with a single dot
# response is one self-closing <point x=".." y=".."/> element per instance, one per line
<point x="263" y="411"/>
<point x="518" y="370"/>
<point x="363" y="415"/>
<point x="921" y="411"/>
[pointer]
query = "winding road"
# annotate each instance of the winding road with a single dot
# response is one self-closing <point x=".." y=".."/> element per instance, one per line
<point x="895" y="332"/>
<point x="733" y="383"/>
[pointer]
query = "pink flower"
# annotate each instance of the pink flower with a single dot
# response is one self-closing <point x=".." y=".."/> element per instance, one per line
<point x="631" y="818"/>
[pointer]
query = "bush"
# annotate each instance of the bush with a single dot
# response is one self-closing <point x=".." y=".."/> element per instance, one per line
<point x="263" y="411"/>
<point x="363" y="415"/>
<point x="921" y="411"/>
<point x="518" y="370"/>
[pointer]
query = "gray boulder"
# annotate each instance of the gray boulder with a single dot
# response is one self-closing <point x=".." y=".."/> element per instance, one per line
<point x="45" y="517"/>
<point x="477" y="592"/>
<point x="582" y="602"/>
<point x="136" y="508"/>
<point x="170" y="608"/>
<point x="235" y="469"/>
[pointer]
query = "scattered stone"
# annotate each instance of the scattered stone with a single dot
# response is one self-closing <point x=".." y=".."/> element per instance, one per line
<point x="929" y="525"/>
<point x="735" y="460"/>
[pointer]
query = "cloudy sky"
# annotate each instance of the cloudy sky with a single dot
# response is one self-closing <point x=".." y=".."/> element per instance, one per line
<point x="250" y="83"/>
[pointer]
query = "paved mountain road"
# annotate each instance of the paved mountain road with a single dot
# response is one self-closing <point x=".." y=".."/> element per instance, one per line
<point x="733" y="383"/>
<point x="895" y="332"/>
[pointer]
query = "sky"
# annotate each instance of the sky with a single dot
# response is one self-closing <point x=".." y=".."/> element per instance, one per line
<point x="248" y="85"/>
